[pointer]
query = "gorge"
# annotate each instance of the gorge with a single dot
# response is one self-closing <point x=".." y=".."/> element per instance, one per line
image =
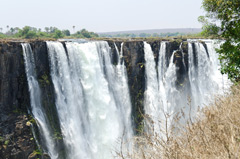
<point x="75" y="99"/>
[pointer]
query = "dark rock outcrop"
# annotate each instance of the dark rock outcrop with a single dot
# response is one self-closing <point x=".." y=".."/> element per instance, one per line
<point x="133" y="53"/>
<point x="13" y="83"/>
<point x="16" y="137"/>
<point x="15" y="102"/>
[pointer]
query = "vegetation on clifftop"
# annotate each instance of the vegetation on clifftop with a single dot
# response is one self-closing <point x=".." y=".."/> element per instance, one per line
<point x="144" y="35"/>
<point x="28" y="32"/>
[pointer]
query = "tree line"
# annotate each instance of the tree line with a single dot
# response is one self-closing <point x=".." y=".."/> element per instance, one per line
<point x="141" y="35"/>
<point x="29" y="32"/>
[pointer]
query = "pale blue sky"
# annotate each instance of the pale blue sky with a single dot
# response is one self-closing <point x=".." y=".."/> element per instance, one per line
<point x="101" y="15"/>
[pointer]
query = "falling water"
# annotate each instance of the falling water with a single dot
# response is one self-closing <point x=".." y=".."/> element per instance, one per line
<point x="161" y="95"/>
<point x="204" y="73"/>
<point x="120" y="87"/>
<point x="92" y="98"/>
<point x="35" y="98"/>
<point x="92" y="95"/>
<point x="164" y="98"/>
<point x="151" y="104"/>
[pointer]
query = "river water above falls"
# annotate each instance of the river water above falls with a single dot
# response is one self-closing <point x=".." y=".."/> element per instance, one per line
<point x="93" y="99"/>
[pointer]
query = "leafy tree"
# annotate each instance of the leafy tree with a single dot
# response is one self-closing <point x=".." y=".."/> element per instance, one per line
<point x="27" y="32"/>
<point x="58" y="34"/>
<point x="66" y="32"/>
<point x="85" y="33"/>
<point x="43" y="35"/>
<point x="78" y="35"/>
<point x="47" y="29"/>
<point x="227" y="13"/>
<point x="13" y="31"/>
<point x="52" y="29"/>
<point x="209" y="29"/>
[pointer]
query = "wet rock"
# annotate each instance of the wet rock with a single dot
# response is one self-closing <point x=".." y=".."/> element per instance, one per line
<point x="19" y="143"/>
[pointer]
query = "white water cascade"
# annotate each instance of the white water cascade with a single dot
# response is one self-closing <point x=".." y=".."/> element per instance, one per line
<point x="35" y="99"/>
<point x="204" y="73"/>
<point x="92" y="95"/>
<point x="164" y="99"/>
<point x="92" y="98"/>
<point x="151" y="103"/>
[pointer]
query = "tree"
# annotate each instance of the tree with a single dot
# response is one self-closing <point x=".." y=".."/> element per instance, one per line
<point x="47" y="29"/>
<point x="52" y="29"/>
<point x="143" y="35"/>
<point x="209" y="29"/>
<point x="85" y="34"/>
<point x="227" y="13"/>
<point x="66" y="32"/>
<point x="27" y="32"/>
<point x="58" y="34"/>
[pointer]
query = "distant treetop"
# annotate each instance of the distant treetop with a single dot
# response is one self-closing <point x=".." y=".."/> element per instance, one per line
<point x="29" y="32"/>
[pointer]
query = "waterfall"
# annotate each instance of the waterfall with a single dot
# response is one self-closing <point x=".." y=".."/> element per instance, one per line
<point x="204" y="73"/>
<point x="164" y="98"/>
<point x="120" y="89"/>
<point x="152" y="106"/>
<point x="35" y="99"/>
<point x="161" y="95"/>
<point x="92" y="95"/>
<point x="92" y="98"/>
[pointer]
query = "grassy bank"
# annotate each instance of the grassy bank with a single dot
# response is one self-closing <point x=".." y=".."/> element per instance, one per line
<point x="216" y="134"/>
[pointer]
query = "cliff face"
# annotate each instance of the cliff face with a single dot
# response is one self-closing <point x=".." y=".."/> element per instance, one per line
<point x="13" y="82"/>
<point x="16" y="138"/>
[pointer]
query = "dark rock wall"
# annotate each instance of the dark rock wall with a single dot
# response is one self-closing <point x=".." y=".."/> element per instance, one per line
<point x="13" y="83"/>
<point x="16" y="139"/>
<point x="133" y="53"/>
<point x="15" y="102"/>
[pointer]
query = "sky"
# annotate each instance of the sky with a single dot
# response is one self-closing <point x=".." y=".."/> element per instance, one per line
<point x="101" y="15"/>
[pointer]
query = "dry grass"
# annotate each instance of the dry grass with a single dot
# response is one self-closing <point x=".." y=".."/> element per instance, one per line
<point x="215" y="135"/>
